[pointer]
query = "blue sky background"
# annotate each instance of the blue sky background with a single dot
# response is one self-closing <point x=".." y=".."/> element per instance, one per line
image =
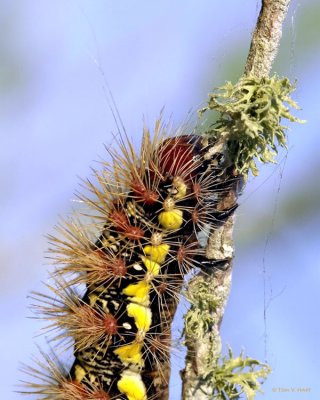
<point x="55" y="58"/>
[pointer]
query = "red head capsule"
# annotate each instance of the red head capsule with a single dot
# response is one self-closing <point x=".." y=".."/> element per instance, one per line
<point x="177" y="157"/>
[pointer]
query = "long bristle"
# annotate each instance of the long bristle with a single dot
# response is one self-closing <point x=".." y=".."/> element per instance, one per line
<point x="117" y="279"/>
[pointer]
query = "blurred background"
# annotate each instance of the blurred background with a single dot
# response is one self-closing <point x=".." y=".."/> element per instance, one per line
<point x="55" y="59"/>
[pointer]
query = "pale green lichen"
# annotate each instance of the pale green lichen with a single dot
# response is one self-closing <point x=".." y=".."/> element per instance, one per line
<point x="201" y="316"/>
<point x="235" y="376"/>
<point x="249" y="119"/>
<point x="218" y="378"/>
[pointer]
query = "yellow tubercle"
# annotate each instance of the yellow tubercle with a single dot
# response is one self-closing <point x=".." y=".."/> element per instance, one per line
<point x="79" y="373"/>
<point x="139" y="292"/>
<point x="142" y="316"/>
<point x="152" y="266"/>
<point x="157" y="253"/>
<point x="172" y="219"/>
<point x="130" y="353"/>
<point x="131" y="385"/>
<point x="180" y="186"/>
<point x="92" y="299"/>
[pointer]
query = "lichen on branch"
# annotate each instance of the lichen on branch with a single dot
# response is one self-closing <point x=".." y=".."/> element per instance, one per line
<point x="218" y="378"/>
<point x="248" y="130"/>
<point x="237" y="375"/>
<point x="249" y="122"/>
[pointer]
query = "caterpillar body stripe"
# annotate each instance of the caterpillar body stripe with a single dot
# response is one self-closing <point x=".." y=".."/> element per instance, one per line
<point x="154" y="212"/>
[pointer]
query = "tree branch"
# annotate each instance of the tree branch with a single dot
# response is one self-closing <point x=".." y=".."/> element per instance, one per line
<point x="266" y="37"/>
<point x="203" y="340"/>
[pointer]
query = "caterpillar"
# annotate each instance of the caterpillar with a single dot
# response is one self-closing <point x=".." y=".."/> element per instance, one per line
<point x="117" y="279"/>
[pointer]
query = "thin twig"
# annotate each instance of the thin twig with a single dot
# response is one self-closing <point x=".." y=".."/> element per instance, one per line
<point x="204" y="347"/>
<point x="266" y="37"/>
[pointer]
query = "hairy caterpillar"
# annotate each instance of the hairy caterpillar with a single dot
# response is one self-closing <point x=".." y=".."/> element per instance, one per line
<point x="154" y="212"/>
